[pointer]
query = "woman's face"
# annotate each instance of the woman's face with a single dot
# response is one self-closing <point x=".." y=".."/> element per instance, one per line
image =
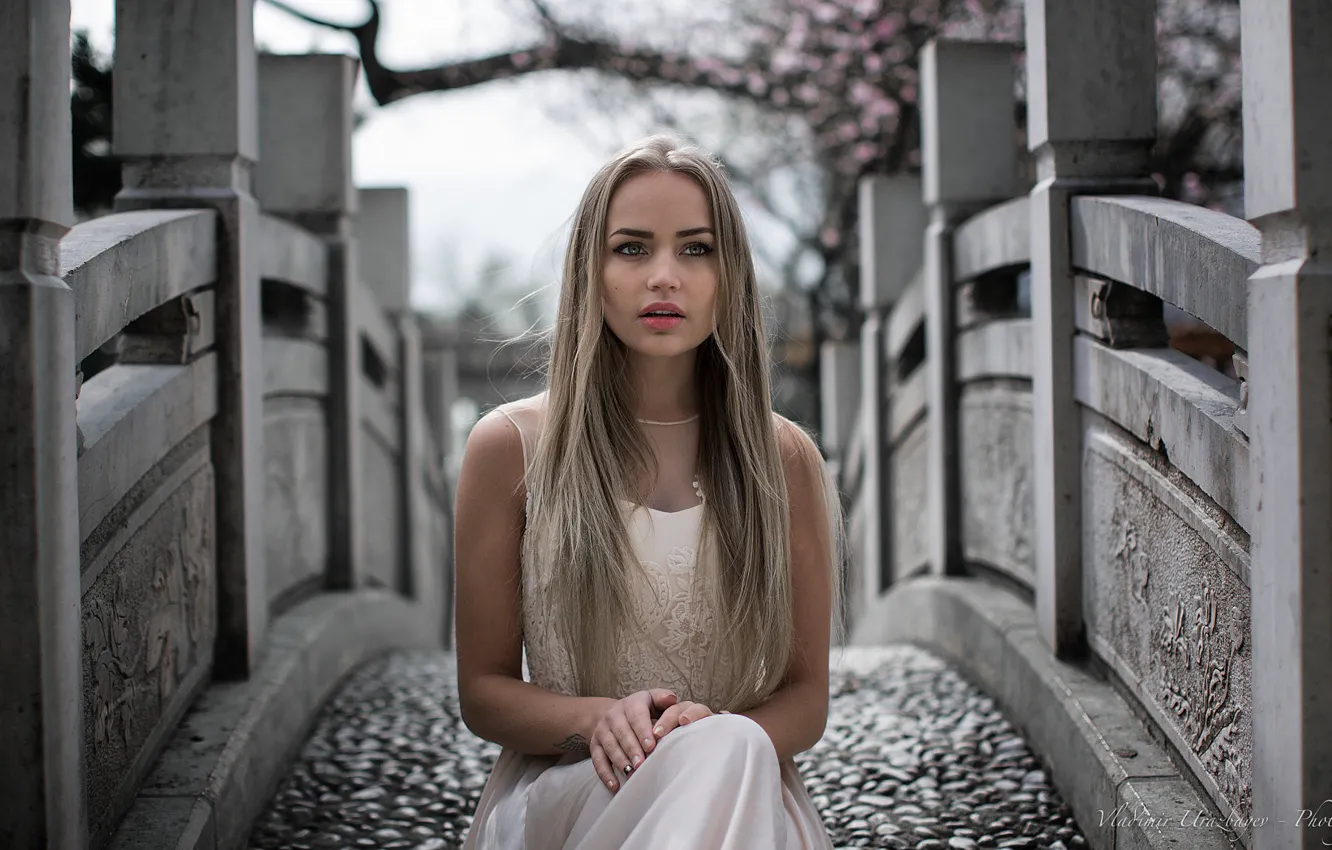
<point x="659" y="275"/>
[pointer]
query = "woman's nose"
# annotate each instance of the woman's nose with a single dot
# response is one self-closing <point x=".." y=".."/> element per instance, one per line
<point x="664" y="274"/>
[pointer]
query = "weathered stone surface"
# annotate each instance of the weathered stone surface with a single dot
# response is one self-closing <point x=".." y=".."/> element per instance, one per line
<point x="148" y="629"/>
<point x="294" y="367"/>
<point x="1179" y="407"/>
<point x="997" y="238"/>
<point x="120" y="266"/>
<point x="382" y="511"/>
<point x="910" y="529"/>
<point x="1168" y="612"/>
<point x="296" y="500"/>
<point x="1195" y="258"/>
<point x="995" y="349"/>
<point x="996" y="477"/>
<point x="292" y="255"/>
<point x="130" y="417"/>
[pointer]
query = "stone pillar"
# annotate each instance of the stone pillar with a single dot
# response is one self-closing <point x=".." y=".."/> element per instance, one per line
<point x="1091" y="83"/>
<point x="41" y="700"/>
<point x="439" y="374"/>
<point x="969" y="158"/>
<point x="892" y="219"/>
<point x="839" y="395"/>
<point x="186" y="130"/>
<point x="384" y="243"/>
<point x="384" y="239"/>
<point x="305" y="175"/>
<point x="1288" y="195"/>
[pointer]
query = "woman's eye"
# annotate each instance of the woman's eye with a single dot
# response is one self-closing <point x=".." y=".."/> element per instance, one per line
<point x="698" y="249"/>
<point x="629" y="248"/>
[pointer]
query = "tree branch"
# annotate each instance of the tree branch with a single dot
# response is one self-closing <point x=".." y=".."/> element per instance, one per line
<point x="548" y="21"/>
<point x="287" y="8"/>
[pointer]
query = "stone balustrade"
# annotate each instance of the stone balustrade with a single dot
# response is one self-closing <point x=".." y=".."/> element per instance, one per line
<point x="224" y="476"/>
<point x="1149" y="518"/>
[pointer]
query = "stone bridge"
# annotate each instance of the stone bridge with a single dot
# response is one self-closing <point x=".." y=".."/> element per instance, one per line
<point x="225" y="435"/>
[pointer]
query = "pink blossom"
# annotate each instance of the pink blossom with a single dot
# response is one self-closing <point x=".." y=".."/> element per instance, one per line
<point x="825" y="13"/>
<point x="887" y="27"/>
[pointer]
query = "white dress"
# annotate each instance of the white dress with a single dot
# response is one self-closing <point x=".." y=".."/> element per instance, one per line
<point x="715" y="784"/>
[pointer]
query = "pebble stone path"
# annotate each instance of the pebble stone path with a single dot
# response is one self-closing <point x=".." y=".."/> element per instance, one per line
<point x="913" y="757"/>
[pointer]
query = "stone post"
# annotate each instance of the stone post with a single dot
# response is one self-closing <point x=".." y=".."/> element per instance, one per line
<point x="892" y="219"/>
<point x="1091" y="83"/>
<point x="839" y="395"/>
<point x="439" y="373"/>
<point x="969" y="157"/>
<point x="186" y="130"/>
<point x="384" y="241"/>
<point x="1288" y="195"/>
<point x="41" y="700"/>
<point x="305" y="175"/>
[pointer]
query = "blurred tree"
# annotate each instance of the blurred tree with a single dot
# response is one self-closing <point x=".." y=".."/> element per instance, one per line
<point x="817" y="93"/>
<point x="833" y="83"/>
<point x="96" y="173"/>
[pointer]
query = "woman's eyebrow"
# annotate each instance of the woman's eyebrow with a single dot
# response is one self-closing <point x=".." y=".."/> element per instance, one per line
<point x="647" y="234"/>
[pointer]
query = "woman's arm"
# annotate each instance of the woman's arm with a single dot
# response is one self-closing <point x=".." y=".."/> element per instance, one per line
<point x="795" y="715"/>
<point x="488" y="529"/>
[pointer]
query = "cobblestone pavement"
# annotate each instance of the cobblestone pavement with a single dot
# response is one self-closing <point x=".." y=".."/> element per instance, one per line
<point x="913" y="757"/>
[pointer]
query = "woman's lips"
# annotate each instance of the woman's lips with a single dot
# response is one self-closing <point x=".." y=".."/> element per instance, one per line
<point x="660" y="323"/>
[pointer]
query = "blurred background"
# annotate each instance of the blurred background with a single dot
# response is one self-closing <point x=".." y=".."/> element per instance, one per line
<point x="495" y="113"/>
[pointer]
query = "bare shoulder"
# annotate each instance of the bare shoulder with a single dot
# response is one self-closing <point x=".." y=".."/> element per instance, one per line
<point x="797" y="447"/>
<point x="493" y="455"/>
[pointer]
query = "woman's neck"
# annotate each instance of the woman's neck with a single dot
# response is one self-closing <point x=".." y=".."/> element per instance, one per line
<point x="664" y="387"/>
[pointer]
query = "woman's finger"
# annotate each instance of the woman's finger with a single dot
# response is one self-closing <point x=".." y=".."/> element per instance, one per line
<point x="630" y="744"/>
<point x="638" y="712"/>
<point x="695" y="711"/>
<point x="662" y="699"/>
<point x="670" y="718"/>
<point x="601" y="764"/>
<point x="615" y="755"/>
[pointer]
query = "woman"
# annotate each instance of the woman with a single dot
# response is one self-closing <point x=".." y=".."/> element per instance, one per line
<point x="657" y="542"/>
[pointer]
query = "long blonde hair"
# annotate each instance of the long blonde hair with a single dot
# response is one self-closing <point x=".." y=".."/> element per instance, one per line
<point x="592" y="454"/>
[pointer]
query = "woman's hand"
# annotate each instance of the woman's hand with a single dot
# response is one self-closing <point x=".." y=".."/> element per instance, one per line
<point x="680" y="714"/>
<point x="623" y="736"/>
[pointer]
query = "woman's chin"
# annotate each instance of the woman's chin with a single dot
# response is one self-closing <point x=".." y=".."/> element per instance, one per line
<point x="662" y="348"/>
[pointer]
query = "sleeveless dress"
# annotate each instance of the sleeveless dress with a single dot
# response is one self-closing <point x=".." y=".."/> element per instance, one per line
<point x="715" y="784"/>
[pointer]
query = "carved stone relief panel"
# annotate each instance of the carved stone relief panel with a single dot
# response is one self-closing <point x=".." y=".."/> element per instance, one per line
<point x="148" y="626"/>
<point x="995" y="446"/>
<point x="1166" y="608"/>
<point x="382" y="502"/>
<point x="296" y="496"/>
<point x="910" y="526"/>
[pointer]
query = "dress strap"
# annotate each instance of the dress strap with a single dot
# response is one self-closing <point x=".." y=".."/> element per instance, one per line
<point x="526" y="416"/>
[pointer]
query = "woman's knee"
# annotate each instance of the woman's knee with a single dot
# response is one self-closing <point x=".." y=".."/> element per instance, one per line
<point x="729" y="733"/>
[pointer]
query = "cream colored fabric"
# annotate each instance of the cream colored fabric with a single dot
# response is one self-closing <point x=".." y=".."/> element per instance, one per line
<point x="713" y="785"/>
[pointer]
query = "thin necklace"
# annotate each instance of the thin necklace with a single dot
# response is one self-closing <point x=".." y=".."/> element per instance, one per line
<point x="676" y="422"/>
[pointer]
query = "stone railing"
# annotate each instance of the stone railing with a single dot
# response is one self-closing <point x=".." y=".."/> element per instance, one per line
<point x="223" y="440"/>
<point x="1040" y="438"/>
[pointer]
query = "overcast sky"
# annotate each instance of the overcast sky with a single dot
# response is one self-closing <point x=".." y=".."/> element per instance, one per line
<point x="489" y="169"/>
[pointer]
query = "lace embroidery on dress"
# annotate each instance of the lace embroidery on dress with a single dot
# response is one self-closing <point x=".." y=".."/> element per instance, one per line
<point x="674" y="621"/>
